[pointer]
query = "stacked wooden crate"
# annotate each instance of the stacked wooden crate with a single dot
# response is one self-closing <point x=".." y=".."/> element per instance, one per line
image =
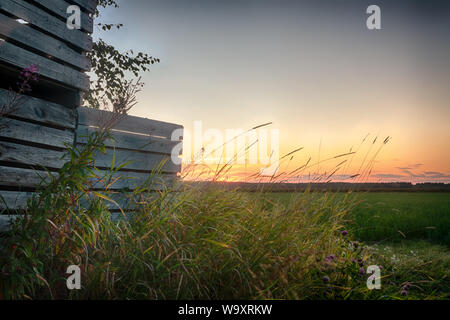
<point x="139" y="151"/>
<point x="35" y="135"/>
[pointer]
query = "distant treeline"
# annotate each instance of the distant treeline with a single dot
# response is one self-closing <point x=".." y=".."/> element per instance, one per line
<point x="332" y="186"/>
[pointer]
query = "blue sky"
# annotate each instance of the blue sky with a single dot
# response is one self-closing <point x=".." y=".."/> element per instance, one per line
<point x="310" y="67"/>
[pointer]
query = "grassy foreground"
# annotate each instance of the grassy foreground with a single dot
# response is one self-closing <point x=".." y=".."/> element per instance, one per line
<point x="201" y="243"/>
<point x="212" y="244"/>
<point x="391" y="217"/>
<point x="395" y="216"/>
<point x="410" y="232"/>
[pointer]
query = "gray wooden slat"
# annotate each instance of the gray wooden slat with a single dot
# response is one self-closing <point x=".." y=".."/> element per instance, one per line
<point x="18" y="177"/>
<point x="126" y="140"/>
<point x="17" y="200"/>
<point x="121" y="200"/>
<point x="128" y="201"/>
<point x="29" y="132"/>
<point x="11" y="29"/>
<point x="14" y="200"/>
<point x="42" y="111"/>
<point x="88" y="5"/>
<point x="23" y="154"/>
<point x="137" y="160"/>
<point x="5" y="221"/>
<point x="98" y="118"/>
<point x="22" y="58"/>
<point x="22" y="178"/>
<point x="59" y="7"/>
<point x="131" y="180"/>
<point x="45" y="21"/>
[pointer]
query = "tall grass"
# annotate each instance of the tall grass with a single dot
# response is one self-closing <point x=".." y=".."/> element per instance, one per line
<point x="198" y="242"/>
<point x="390" y="217"/>
<point x="185" y="241"/>
<point x="386" y="217"/>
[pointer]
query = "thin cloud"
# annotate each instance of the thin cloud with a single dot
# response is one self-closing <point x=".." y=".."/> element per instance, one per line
<point x="389" y="176"/>
<point x="432" y="173"/>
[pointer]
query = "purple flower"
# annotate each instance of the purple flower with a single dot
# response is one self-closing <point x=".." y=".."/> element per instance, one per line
<point x="30" y="72"/>
<point x="330" y="257"/>
<point x="404" y="293"/>
<point x="326" y="279"/>
<point x="26" y="75"/>
<point x="362" y="271"/>
<point x="31" y="69"/>
<point x="344" y="233"/>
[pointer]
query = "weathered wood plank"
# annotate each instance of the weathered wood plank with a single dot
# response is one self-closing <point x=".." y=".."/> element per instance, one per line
<point x="14" y="200"/>
<point x="11" y="29"/>
<point x="46" y="22"/>
<point x="59" y="7"/>
<point x="131" y="141"/>
<point x="29" y="132"/>
<point x="28" y="178"/>
<point x="22" y="58"/>
<point x="121" y="199"/>
<point x="120" y="180"/>
<point x="98" y="118"/>
<point x="88" y="5"/>
<point x="22" y="178"/>
<point x="5" y="221"/>
<point x="17" y="200"/>
<point x="136" y="161"/>
<point x="38" y="157"/>
<point x="42" y="111"/>
<point x="128" y="201"/>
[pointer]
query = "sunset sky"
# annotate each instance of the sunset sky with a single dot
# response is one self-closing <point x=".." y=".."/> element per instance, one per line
<point x="310" y="67"/>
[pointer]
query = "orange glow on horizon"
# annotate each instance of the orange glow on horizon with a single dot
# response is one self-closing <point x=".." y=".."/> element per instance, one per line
<point x="370" y="161"/>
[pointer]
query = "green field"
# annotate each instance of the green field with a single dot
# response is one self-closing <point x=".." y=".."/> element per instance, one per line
<point x="395" y="216"/>
<point x="410" y="232"/>
<point x="388" y="217"/>
<point x="212" y="243"/>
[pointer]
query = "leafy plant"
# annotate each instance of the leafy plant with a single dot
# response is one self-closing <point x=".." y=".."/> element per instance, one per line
<point x="16" y="96"/>
<point x="112" y="69"/>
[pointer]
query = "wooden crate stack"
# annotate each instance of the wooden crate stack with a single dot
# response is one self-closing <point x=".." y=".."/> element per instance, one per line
<point x="34" y="136"/>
